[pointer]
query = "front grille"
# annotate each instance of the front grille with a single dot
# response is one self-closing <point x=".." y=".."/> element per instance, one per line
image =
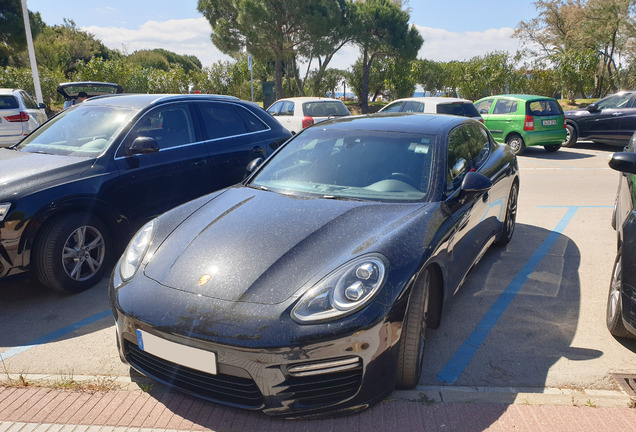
<point x="326" y="388"/>
<point x="228" y="389"/>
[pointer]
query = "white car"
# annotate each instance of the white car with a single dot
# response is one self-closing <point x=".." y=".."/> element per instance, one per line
<point x="19" y="115"/>
<point x="297" y="113"/>
<point x="434" y="105"/>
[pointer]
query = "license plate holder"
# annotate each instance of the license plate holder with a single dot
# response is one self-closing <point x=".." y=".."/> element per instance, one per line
<point x="183" y="355"/>
<point x="549" y="122"/>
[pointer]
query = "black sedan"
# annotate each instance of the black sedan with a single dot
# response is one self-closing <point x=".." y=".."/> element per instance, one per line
<point x="621" y="302"/>
<point x="74" y="191"/>
<point x="309" y="288"/>
<point x="611" y="120"/>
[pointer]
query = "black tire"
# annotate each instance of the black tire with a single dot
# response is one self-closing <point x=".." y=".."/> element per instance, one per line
<point x="571" y="137"/>
<point x="412" y="341"/>
<point x="515" y="142"/>
<point x="510" y="221"/>
<point x="72" y="252"/>
<point x="552" y="148"/>
<point x="614" y="315"/>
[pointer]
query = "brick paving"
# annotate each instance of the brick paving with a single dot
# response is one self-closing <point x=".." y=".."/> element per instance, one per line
<point x="33" y="409"/>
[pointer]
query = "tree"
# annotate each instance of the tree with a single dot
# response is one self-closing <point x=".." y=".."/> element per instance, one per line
<point x="430" y="75"/>
<point x="399" y="79"/>
<point x="381" y="30"/>
<point x="12" y="36"/>
<point x="375" y="80"/>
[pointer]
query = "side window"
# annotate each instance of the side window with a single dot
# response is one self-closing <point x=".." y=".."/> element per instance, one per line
<point x="252" y="122"/>
<point x="275" y="109"/>
<point x="468" y="148"/>
<point x="170" y="126"/>
<point x="483" y="107"/>
<point x="28" y="101"/>
<point x="615" y="101"/>
<point x="505" y="106"/>
<point x="221" y="120"/>
<point x="287" y="109"/>
<point x="411" y="106"/>
<point x="394" y="107"/>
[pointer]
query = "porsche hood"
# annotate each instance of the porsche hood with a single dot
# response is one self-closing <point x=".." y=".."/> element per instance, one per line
<point x="256" y="246"/>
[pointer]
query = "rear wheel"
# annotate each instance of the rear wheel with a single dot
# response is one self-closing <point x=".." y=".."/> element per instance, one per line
<point x="412" y="341"/>
<point x="614" y="315"/>
<point x="552" y="148"/>
<point x="571" y="137"/>
<point x="515" y="142"/>
<point x="71" y="253"/>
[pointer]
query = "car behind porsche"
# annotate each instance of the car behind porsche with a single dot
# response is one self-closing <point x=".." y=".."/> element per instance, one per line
<point x="309" y="288"/>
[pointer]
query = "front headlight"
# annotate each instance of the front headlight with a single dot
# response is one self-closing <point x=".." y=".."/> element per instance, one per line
<point x="4" y="209"/>
<point x="137" y="248"/>
<point x="342" y="292"/>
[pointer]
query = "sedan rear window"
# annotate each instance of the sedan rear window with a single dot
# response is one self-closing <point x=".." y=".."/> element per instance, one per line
<point x="8" y="102"/>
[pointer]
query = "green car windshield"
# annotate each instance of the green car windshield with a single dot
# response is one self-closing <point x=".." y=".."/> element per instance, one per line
<point x="352" y="164"/>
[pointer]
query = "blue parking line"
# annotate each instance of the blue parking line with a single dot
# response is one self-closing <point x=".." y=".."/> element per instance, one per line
<point x="456" y="365"/>
<point x="54" y="335"/>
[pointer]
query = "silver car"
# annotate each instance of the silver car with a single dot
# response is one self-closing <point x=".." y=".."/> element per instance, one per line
<point x="19" y="115"/>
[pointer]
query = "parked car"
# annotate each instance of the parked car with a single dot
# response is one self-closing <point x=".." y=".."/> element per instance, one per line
<point x="75" y="190"/>
<point x="297" y="113"/>
<point x="611" y="120"/>
<point x="621" y="302"/>
<point x="431" y="105"/>
<point x="19" y="115"/>
<point x="70" y="91"/>
<point x="309" y="287"/>
<point x="524" y="120"/>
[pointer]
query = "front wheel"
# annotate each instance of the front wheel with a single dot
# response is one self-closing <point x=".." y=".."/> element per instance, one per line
<point x="571" y="137"/>
<point x="614" y="315"/>
<point x="511" y="217"/>
<point x="552" y="148"/>
<point x="412" y="341"/>
<point x="71" y="253"/>
<point x="515" y="142"/>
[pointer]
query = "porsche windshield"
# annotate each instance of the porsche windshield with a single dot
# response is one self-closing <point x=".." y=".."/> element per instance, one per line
<point x="352" y="164"/>
<point x="82" y="131"/>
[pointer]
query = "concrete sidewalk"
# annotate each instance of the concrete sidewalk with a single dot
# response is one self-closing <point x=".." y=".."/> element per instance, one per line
<point x="26" y="409"/>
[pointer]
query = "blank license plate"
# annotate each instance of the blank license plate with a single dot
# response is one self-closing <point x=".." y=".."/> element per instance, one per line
<point x="183" y="355"/>
<point x="548" y="122"/>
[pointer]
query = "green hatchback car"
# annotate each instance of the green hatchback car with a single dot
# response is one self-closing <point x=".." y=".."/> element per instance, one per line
<point x="524" y="120"/>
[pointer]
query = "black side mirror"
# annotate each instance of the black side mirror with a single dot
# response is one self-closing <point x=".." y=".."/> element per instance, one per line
<point x="624" y="162"/>
<point x="42" y="105"/>
<point x="143" y="145"/>
<point x="592" y="108"/>
<point x="251" y="167"/>
<point x="475" y="182"/>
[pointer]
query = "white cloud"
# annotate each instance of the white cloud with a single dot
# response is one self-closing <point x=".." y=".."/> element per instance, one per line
<point x="186" y="36"/>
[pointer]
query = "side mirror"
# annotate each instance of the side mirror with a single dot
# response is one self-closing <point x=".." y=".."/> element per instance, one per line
<point x="475" y="182"/>
<point x="42" y="105"/>
<point x="143" y="145"/>
<point x="624" y="162"/>
<point x="251" y="167"/>
<point x="592" y="108"/>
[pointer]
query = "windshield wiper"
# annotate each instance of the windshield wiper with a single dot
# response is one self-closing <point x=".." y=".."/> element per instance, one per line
<point x="341" y="198"/>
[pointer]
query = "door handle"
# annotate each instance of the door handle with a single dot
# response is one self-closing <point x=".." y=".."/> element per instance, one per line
<point x="257" y="149"/>
<point x="616" y="114"/>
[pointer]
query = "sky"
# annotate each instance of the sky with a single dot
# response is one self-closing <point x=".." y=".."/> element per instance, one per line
<point x="452" y="29"/>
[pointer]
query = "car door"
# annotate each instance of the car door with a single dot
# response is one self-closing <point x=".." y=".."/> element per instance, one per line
<point x="154" y="182"/>
<point x="234" y="137"/>
<point x="605" y="119"/>
<point x="627" y="120"/>
<point x="472" y="217"/>
<point x="501" y="119"/>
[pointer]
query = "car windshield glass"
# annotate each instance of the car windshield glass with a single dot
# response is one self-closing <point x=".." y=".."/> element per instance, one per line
<point x="352" y="164"/>
<point x="325" y="109"/>
<point x="82" y="131"/>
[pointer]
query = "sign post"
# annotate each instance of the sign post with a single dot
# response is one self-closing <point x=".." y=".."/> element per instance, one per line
<point x="249" y="66"/>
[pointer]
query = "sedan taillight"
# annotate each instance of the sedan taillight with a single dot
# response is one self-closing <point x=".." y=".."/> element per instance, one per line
<point x="529" y="124"/>
<point x="307" y="121"/>
<point x="21" y="117"/>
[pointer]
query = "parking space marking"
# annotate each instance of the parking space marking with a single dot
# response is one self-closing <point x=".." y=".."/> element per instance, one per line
<point x="50" y="337"/>
<point x="462" y="357"/>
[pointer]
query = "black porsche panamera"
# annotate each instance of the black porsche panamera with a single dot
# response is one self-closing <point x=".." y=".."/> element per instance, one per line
<point x="309" y="288"/>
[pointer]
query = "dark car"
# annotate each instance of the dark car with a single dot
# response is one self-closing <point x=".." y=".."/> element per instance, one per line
<point x="621" y="302"/>
<point x="309" y="288"/>
<point x="71" y="91"/>
<point x="75" y="190"/>
<point x="611" y="120"/>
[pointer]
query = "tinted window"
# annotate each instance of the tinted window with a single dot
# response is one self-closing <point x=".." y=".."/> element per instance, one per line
<point x="546" y="107"/>
<point x="468" y="148"/>
<point x="325" y="109"/>
<point x="505" y="106"/>
<point x="170" y="126"/>
<point x="458" y="109"/>
<point x="221" y="120"/>
<point x="252" y="122"/>
<point x="8" y="102"/>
